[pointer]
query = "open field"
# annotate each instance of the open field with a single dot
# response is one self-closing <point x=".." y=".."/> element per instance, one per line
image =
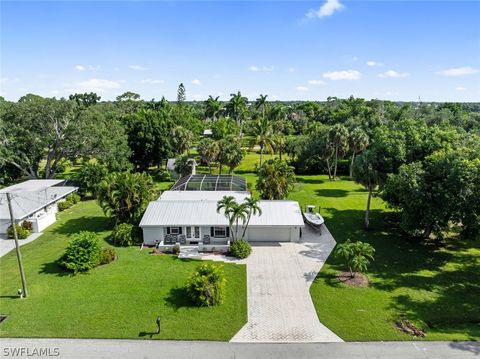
<point x="119" y="300"/>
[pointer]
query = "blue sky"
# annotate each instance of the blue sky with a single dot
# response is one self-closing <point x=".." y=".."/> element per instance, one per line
<point x="290" y="50"/>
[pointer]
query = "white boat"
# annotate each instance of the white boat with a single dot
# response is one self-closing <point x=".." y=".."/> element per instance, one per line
<point x="313" y="218"/>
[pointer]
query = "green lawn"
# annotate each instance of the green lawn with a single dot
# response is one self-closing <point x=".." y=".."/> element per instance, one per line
<point x="119" y="300"/>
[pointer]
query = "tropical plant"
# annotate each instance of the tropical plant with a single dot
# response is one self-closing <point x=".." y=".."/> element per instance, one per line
<point x="253" y="208"/>
<point x="73" y="198"/>
<point x="234" y="212"/>
<point x="231" y="153"/>
<point x="365" y="173"/>
<point x="22" y="233"/>
<point x="63" y="205"/>
<point x="261" y="104"/>
<point x="357" y="255"/>
<point x="358" y="142"/>
<point x="213" y="107"/>
<point x="275" y="179"/>
<point x="107" y="255"/>
<point x="338" y="138"/>
<point x="183" y="165"/>
<point x="262" y="136"/>
<point x="206" y="285"/>
<point x="124" y="195"/>
<point x="237" y="109"/>
<point x="240" y="249"/>
<point x="208" y="150"/>
<point x="82" y="253"/>
<point x="182" y="139"/>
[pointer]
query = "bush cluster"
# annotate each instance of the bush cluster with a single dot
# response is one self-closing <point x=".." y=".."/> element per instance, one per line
<point x="22" y="232"/>
<point x="122" y="234"/>
<point x="240" y="249"/>
<point x="62" y="206"/>
<point x="83" y="253"/>
<point x="107" y="255"/>
<point x="206" y="285"/>
<point x="73" y="198"/>
<point x="27" y="225"/>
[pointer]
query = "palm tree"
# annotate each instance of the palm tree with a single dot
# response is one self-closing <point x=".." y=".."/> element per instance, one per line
<point x="252" y="205"/>
<point x="263" y="136"/>
<point x="338" y="137"/>
<point x="280" y="144"/>
<point x="237" y="107"/>
<point x="358" y="142"/>
<point x="182" y="138"/>
<point x="213" y="107"/>
<point x="208" y="150"/>
<point x="234" y="213"/>
<point x="261" y="103"/>
<point x="365" y="173"/>
<point x="239" y="212"/>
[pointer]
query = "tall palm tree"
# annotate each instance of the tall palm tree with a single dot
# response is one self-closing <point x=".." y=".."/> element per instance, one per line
<point x="365" y="173"/>
<point x="226" y="204"/>
<point x="239" y="212"/>
<point x="208" y="150"/>
<point x="213" y="107"/>
<point x="234" y="212"/>
<point x="237" y="108"/>
<point x="261" y="103"/>
<point x="358" y="142"/>
<point x="338" y="136"/>
<point x="252" y="205"/>
<point x="263" y="136"/>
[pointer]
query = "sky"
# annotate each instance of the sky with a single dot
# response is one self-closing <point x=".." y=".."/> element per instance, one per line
<point x="290" y="50"/>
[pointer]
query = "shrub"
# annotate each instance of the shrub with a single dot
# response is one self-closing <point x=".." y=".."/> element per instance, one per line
<point x="122" y="234"/>
<point x="73" y="198"/>
<point x="240" y="249"/>
<point x="82" y="253"/>
<point x="27" y="225"/>
<point x="206" y="285"/>
<point x="62" y="206"/>
<point x="357" y="255"/>
<point x="176" y="249"/>
<point x="22" y="233"/>
<point x="90" y="176"/>
<point x="107" y="255"/>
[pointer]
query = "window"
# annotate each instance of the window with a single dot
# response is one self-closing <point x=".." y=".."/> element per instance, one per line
<point x="197" y="232"/>
<point x="189" y="232"/>
<point x="219" y="232"/>
<point x="174" y="230"/>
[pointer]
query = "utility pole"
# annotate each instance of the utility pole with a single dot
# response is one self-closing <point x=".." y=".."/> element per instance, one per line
<point x="17" y="246"/>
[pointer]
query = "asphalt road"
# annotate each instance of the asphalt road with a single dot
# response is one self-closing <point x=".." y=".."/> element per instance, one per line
<point x="122" y="349"/>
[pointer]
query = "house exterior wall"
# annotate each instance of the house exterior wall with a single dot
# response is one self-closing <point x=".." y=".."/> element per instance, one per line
<point x="152" y="234"/>
<point x="4" y="223"/>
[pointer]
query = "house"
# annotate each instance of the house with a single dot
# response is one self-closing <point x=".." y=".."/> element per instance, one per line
<point x="189" y="210"/>
<point x="34" y="201"/>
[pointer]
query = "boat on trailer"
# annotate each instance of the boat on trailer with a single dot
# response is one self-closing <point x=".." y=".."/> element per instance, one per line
<point x="313" y="218"/>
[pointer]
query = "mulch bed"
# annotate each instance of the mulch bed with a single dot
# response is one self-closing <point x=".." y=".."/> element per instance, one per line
<point x="358" y="281"/>
<point x="408" y="327"/>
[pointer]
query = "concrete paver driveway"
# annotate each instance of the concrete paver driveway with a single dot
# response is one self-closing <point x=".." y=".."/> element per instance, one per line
<point x="279" y="275"/>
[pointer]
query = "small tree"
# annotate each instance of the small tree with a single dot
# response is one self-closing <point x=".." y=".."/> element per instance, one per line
<point x="357" y="255"/>
<point x="275" y="179"/>
<point x="82" y="253"/>
<point x="206" y="286"/>
<point x="122" y="234"/>
<point x="90" y="176"/>
<point x="208" y="150"/>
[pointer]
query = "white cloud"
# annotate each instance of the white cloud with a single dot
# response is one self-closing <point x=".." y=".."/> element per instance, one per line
<point x="343" y="75"/>
<point x="291" y="69"/>
<point x="316" y="82"/>
<point x="6" y="80"/>
<point x="80" y="68"/>
<point x="151" y="81"/>
<point x="373" y="63"/>
<point x="458" y="71"/>
<point x="393" y="74"/>
<point x="97" y="85"/>
<point x="327" y="9"/>
<point x="196" y="82"/>
<point x="137" y="68"/>
<point x="301" y="88"/>
<point x="263" y="68"/>
<point x="89" y="68"/>
<point x="460" y="88"/>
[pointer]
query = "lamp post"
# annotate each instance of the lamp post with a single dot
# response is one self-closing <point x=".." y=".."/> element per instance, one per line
<point x="17" y="247"/>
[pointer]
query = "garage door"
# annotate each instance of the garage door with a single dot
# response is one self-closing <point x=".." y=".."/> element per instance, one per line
<point x="269" y="234"/>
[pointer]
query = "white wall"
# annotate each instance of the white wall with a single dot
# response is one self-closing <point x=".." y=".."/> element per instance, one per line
<point x="44" y="221"/>
<point x="152" y="234"/>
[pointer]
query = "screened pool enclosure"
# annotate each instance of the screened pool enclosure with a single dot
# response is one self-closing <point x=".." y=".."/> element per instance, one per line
<point x="207" y="182"/>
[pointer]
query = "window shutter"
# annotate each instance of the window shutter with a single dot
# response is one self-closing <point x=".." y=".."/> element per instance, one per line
<point x="180" y="230"/>
<point x="228" y="232"/>
<point x="212" y="233"/>
<point x="168" y="230"/>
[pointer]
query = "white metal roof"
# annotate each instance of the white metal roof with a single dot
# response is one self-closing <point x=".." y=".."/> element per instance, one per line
<point x="31" y="186"/>
<point x="25" y="203"/>
<point x="204" y="213"/>
<point x="202" y="195"/>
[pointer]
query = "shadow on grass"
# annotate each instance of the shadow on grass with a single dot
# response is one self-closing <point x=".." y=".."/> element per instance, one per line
<point x="147" y="334"/>
<point x="93" y="224"/>
<point x="310" y="180"/>
<point x="324" y="192"/>
<point x="54" y="268"/>
<point x="178" y="298"/>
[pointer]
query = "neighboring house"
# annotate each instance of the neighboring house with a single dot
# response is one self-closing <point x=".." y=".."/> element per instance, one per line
<point x="171" y="168"/>
<point x="33" y="200"/>
<point x="190" y="209"/>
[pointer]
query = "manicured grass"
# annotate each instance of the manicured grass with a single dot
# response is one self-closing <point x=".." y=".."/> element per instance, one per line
<point x="437" y="289"/>
<point x="118" y="300"/>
